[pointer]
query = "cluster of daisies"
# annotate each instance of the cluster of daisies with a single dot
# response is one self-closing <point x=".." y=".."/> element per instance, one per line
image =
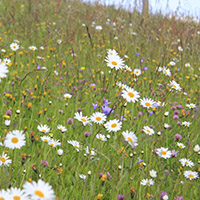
<point x="13" y="140"/>
<point x="31" y="191"/>
<point x="47" y="139"/>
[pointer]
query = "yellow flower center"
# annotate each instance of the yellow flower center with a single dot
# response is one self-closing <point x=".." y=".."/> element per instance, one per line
<point x="130" y="94"/>
<point x="181" y="146"/>
<point x="44" y="131"/>
<point x="174" y="86"/>
<point x="3" y="160"/>
<point x="98" y="118"/>
<point x="148" y="131"/>
<point x="191" y="175"/>
<point x="129" y="139"/>
<point x="1" y="198"/>
<point x="186" y="163"/>
<point x="83" y="119"/>
<point x="164" y="153"/>
<point x="165" y="71"/>
<point x="147" y="104"/>
<point x="45" y="140"/>
<point x="52" y="144"/>
<point x="16" y="198"/>
<point x="75" y="146"/>
<point x="147" y="183"/>
<point x="114" y="125"/>
<point x="191" y="106"/>
<point x="114" y="63"/>
<point x="39" y="193"/>
<point x="100" y="138"/>
<point x="15" y="140"/>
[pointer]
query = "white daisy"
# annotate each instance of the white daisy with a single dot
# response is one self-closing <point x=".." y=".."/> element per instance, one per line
<point x="164" y="153"/>
<point x="114" y="61"/>
<point x="17" y="194"/>
<point x="147" y="182"/>
<point x="7" y="61"/>
<point x="147" y="103"/>
<point x="191" y="105"/>
<point x="130" y="137"/>
<point x="130" y="95"/>
<point x="113" y="125"/>
<point x="84" y="119"/>
<point x="112" y="52"/>
<point x="4" y="160"/>
<point x="101" y="137"/>
<point x="166" y="71"/>
<point x="99" y="28"/>
<point x="62" y="128"/>
<point x="174" y="85"/>
<point x="39" y="190"/>
<point x="43" y="128"/>
<point x="137" y="72"/>
<point x="186" y="162"/>
<point x="90" y="152"/>
<point x="15" y="139"/>
<point x="4" y="195"/>
<point x="82" y="176"/>
<point x="54" y="143"/>
<point x="59" y="41"/>
<point x="14" y="46"/>
<point x="3" y="70"/>
<point x="153" y="173"/>
<point x="33" y="48"/>
<point x="75" y="144"/>
<point x="181" y="145"/>
<point x="67" y="95"/>
<point x="45" y="138"/>
<point x="148" y="130"/>
<point x="127" y="68"/>
<point x="191" y="174"/>
<point x="98" y="118"/>
<point x="186" y="123"/>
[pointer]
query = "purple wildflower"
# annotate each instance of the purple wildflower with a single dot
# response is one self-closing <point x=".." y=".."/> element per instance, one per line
<point x="162" y="195"/>
<point x="95" y="106"/>
<point x="174" y="153"/>
<point x="70" y="121"/>
<point x="86" y="134"/>
<point x="179" y="198"/>
<point x="177" y="137"/>
<point x="120" y="197"/>
<point x="9" y="112"/>
<point x="175" y="117"/>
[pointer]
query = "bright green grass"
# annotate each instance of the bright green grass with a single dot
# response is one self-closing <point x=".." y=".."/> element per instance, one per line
<point x="32" y="23"/>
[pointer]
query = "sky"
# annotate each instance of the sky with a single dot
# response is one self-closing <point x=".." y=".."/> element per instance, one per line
<point x="181" y="7"/>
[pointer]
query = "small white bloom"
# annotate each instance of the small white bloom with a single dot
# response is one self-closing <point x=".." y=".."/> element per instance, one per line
<point x="153" y="173"/>
<point x="7" y="122"/>
<point x="196" y="148"/>
<point x="60" y="152"/>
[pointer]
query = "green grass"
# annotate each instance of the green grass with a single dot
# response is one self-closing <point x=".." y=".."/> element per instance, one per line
<point x="39" y="23"/>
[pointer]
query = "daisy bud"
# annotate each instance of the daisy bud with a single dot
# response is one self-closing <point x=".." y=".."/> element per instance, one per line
<point x="7" y="122"/>
<point x="17" y="111"/>
<point x="166" y="114"/>
<point x="196" y="148"/>
<point x="89" y="172"/>
<point x="119" y="167"/>
<point x="60" y="152"/>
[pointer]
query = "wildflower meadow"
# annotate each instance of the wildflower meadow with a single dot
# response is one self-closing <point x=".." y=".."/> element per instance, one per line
<point x="97" y="103"/>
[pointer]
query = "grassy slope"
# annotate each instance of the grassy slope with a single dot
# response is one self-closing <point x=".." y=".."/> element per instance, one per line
<point x="32" y="23"/>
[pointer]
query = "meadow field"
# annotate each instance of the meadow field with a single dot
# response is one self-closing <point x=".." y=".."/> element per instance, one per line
<point x="97" y="103"/>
